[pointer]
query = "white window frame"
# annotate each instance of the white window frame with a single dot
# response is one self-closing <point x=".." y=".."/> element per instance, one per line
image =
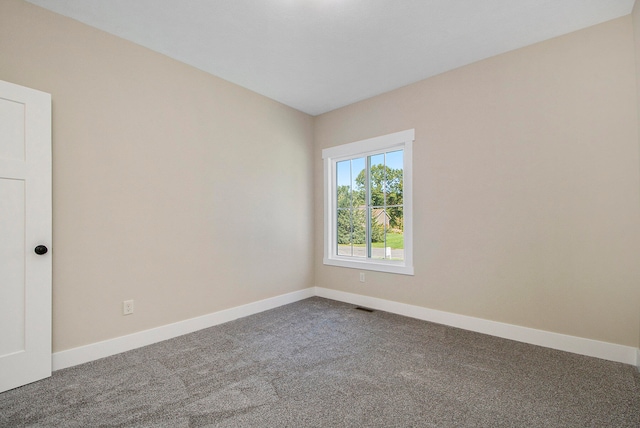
<point x="402" y="140"/>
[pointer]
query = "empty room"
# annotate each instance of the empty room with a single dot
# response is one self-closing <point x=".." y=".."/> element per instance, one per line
<point x="312" y="213"/>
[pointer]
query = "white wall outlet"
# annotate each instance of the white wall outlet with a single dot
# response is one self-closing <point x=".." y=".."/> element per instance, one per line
<point x="127" y="307"/>
<point x="361" y="276"/>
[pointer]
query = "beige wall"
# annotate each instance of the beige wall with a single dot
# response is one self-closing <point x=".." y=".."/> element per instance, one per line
<point x="171" y="187"/>
<point x="526" y="187"/>
<point x="635" y="16"/>
<point x="192" y="195"/>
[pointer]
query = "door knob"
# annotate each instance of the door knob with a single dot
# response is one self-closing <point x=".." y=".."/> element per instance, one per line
<point x="41" y="249"/>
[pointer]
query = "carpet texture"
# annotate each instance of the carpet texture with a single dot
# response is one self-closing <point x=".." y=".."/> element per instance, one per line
<point x="321" y="363"/>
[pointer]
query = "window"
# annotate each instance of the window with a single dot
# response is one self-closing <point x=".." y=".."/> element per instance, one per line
<point x="368" y="205"/>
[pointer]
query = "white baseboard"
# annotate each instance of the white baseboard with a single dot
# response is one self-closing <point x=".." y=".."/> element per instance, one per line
<point x="562" y="342"/>
<point x="94" y="351"/>
<point x="577" y="345"/>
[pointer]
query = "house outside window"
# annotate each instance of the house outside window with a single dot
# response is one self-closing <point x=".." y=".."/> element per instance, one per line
<point x="368" y="204"/>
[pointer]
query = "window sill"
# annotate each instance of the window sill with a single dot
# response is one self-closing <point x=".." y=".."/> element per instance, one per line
<point x="379" y="266"/>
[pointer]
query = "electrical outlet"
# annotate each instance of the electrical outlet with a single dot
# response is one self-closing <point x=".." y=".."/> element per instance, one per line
<point x="361" y="276"/>
<point x="127" y="307"/>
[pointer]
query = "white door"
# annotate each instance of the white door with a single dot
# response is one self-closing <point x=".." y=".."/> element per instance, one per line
<point x="25" y="223"/>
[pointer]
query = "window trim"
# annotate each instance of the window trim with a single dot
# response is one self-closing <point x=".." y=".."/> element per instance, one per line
<point x="386" y="143"/>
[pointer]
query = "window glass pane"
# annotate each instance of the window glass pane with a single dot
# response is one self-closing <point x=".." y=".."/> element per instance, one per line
<point x="351" y="233"/>
<point x="396" y="219"/>
<point x="394" y="237"/>
<point x="359" y="233"/>
<point x="394" y="159"/>
<point x="343" y="183"/>
<point x="379" y="223"/>
<point x="377" y="179"/>
<point x="344" y="240"/>
<point x="387" y="241"/>
<point x="394" y="184"/>
<point x="358" y="175"/>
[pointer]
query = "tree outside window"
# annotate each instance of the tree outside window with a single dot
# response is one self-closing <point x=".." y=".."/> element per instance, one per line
<point x="370" y="206"/>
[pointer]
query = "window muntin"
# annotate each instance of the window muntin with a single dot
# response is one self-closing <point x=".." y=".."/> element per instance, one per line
<point x="368" y="204"/>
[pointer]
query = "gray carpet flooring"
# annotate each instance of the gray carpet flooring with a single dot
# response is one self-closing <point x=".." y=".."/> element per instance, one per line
<point x="321" y="363"/>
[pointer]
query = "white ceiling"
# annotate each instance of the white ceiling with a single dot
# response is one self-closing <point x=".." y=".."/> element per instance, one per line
<point x="318" y="55"/>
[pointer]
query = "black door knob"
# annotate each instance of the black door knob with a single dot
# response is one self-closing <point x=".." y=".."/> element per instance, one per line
<point x="41" y="249"/>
